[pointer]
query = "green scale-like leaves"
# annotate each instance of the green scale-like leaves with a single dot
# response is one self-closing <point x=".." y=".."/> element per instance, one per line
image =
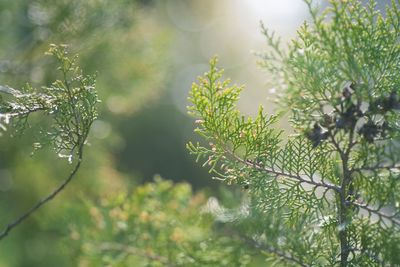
<point x="327" y="195"/>
<point x="68" y="107"/>
<point x="70" y="102"/>
<point x="284" y="179"/>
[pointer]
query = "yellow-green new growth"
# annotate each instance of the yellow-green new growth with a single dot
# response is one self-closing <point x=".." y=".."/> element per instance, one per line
<point x="327" y="196"/>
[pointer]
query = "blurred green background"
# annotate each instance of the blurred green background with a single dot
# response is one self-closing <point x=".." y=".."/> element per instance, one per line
<point x="147" y="54"/>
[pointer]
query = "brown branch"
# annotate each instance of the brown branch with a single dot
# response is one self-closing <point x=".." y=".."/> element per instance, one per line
<point x="43" y="201"/>
<point x="78" y="143"/>
<point x="289" y="175"/>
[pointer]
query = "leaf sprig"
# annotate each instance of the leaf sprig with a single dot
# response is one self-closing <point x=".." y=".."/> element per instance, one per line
<point x="327" y="195"/>
<point x="71" y="105"/>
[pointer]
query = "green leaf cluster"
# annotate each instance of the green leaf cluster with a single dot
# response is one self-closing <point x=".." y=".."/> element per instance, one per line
<point x="69" y="106"/>
<point x="157" y="224"/>
<point x="327" y="195"/>
<point x="70" y="102"/>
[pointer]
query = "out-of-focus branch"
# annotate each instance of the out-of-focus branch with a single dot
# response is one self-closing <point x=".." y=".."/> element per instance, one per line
<point x="45" y="200"/>
<point x="112" y="246"/>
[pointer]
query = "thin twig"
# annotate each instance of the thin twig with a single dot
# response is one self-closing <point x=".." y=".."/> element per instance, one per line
<point x="275" y="251"/>
<point x="78" y="143"/>
<point x="377" y="167"/>
<point x="289" y="175"/>
<point x="43" y="201"/>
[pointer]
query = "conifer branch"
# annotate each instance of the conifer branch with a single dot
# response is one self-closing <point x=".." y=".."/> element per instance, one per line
<point x="372" y="256"/>
<point x="392" y="218"/>
<point x="73" y="110"/>
<point x="280" y="173"/>
<point x="284" y="255"/>
<point x="341" y="86"/>
<point x="377" y="167"/>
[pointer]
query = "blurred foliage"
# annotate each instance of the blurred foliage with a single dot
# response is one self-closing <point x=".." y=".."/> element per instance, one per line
<point x="117" y="40"/>
<point x="157" y="224"/>
<point x="127" y="48"/>
<point x="70" y="101"/>
<point x="69" y="107"/>
<point x="140" y="133"/>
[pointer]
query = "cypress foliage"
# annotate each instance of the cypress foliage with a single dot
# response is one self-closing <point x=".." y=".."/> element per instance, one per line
<point x="326" y="196"/>
<point x="69" y="107"/>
